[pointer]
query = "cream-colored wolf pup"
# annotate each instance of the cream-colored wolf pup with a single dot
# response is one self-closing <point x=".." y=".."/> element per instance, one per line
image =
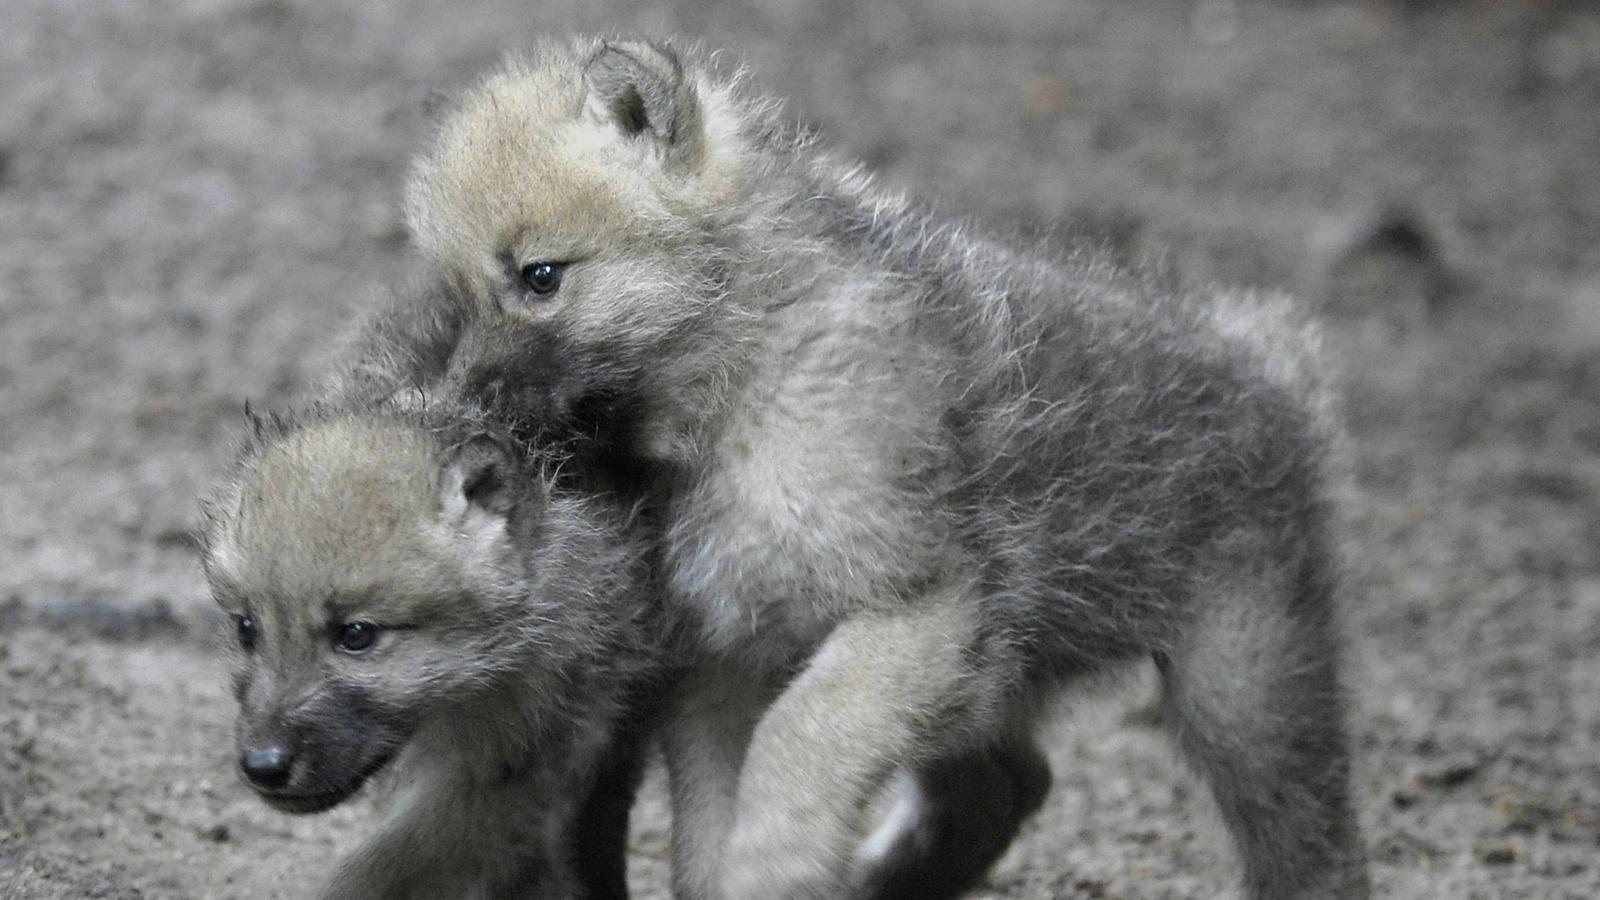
<point x="913" y="479"/>
<point x="409" y="592"/>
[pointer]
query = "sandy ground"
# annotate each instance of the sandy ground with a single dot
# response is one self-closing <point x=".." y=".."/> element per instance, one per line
<point x="194" y="195"/>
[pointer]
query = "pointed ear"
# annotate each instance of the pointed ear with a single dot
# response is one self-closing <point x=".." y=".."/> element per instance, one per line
<point x="482" y="476"/>
<point x="640" y="88"/>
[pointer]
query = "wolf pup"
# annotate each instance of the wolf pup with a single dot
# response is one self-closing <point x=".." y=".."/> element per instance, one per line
<point x="409" y="591"/>
<point x="913" y="479"/>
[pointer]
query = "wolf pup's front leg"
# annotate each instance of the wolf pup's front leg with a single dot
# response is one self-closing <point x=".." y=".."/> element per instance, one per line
<point x="450" y="838"/>
<point x="880" y="689"/>
<point x="704" y="736"/>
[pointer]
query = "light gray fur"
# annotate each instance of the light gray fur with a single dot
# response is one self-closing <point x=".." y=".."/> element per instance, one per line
<point x="518" y="638"/>
<point x="914" y="479"/>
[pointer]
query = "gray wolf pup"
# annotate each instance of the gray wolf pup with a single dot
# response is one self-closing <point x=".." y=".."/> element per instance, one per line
<point x="408" y="590"/>
<point x="913" y="479"/>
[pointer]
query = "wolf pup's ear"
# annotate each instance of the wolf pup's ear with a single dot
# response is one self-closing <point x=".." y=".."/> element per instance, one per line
<point x="482" y="476"/>
<point x="641" y="89"/>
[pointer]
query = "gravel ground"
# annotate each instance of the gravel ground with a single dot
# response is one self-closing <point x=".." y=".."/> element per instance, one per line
<point x="194" y="195"/>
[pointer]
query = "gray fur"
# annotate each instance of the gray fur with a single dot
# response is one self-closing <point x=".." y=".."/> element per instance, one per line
<point x="398" y="352"/>
<point x="913" y="480"/>
<point x="640" y="86"/>
<point x="516" y="643"/>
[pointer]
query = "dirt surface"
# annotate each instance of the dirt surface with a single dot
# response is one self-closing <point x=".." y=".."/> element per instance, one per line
<point x="194" y="195"/>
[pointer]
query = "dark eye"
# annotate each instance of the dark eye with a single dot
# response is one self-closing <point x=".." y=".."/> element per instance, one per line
<point x="356" y="637"/>
<point x="247" y="632"/>
<point x="542" y="278"/>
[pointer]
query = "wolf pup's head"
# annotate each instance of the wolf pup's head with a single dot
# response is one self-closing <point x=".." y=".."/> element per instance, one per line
<point x="588" y="199"/>
<point x="383" y="577"/>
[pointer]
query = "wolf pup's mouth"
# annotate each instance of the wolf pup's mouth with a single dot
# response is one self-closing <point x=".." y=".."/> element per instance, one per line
<point x="322" y="801"/>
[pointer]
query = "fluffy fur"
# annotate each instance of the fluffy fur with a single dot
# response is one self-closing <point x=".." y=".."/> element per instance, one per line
<point x="515" y="645"/>
<point x="913" y="479"/>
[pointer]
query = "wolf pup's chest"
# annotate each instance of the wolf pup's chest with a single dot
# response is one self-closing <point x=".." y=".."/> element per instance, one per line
<point x="803" y="517"/>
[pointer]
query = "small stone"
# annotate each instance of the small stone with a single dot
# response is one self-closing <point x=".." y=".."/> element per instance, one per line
<point x="25" y="732"/>
<point x="1497" y="854"/>
<point x="1451" y="775"/>
<point x="218" y="833"/>
<point x="1388" y="265"/>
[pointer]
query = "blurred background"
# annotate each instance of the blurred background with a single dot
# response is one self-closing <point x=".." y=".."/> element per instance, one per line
<point x="194" y="196"/>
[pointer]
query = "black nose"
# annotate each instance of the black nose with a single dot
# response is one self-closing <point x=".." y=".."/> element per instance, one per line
<point x="266" y="767"/>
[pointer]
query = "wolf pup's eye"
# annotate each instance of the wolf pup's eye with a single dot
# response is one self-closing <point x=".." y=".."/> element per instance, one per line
<point x="543" y="279"/>
<point x="247" y="632"/>
<point x="356" y="637"/>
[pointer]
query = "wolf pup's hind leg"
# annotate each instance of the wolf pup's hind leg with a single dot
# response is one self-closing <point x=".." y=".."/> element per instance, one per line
<point x="1251" y="697"/>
